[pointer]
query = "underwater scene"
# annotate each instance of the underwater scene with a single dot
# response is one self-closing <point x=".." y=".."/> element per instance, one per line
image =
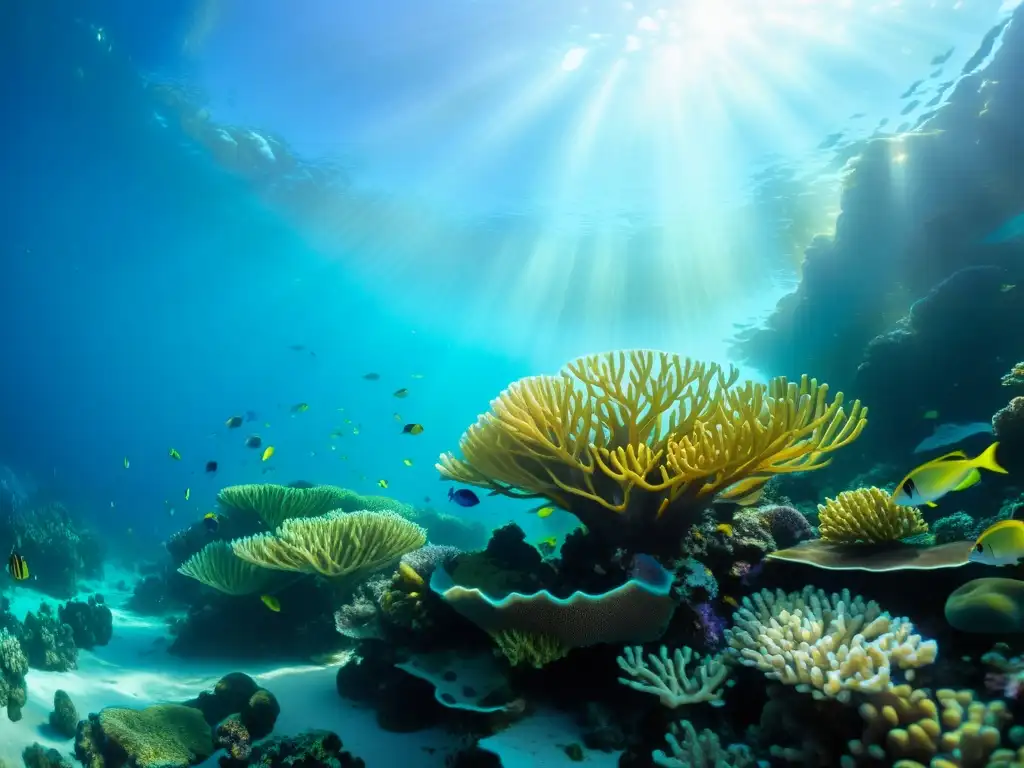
<point x="522" y="383"/>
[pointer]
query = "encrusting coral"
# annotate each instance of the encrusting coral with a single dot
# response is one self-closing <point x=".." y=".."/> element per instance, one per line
<point x="867" y="516"/>
<point x="631" y="442"/>
<point x="827" y="645"/>
<point x="669" y="679"/>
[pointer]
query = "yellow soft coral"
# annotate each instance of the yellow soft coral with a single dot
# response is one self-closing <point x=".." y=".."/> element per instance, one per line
<point x="867" y="516"/>
<point x="641" y="433"/>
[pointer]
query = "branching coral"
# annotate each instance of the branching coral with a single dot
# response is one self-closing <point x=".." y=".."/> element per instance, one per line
<point x="868" y="516"/>
<point x="669" y="679"/>
<point x="217" y="566"/>
<point x="647" y="435"/>
<point x="828" y="645"/>
<point x="335" y="545"/>
<point x="701" y="750"/>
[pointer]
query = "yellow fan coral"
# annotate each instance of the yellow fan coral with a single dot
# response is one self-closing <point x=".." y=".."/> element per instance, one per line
<point x="217" y="566"/>
<point x="334" y="545"/>
<point x="868" y="516"/>
<point x="274" y="504"/>
<point x="646" y="435"/>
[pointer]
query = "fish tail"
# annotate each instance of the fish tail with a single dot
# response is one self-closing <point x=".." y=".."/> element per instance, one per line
<point x="987" y="460"/>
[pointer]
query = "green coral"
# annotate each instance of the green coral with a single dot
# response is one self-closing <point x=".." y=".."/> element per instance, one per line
<point x="161" y="736"/>
<point x="64" y="718"/>
<point x="529" y="648"/>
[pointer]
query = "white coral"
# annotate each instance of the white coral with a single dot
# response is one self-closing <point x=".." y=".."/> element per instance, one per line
<point x="669" y="680"/>
<point x="829" y="645"/>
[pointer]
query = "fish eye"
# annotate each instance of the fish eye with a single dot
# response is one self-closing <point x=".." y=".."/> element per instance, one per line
<point x="978" y="547"/>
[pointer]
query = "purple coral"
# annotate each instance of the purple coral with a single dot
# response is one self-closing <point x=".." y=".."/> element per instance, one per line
<point x="788" y="525"/>
<point x="712" y="624"/>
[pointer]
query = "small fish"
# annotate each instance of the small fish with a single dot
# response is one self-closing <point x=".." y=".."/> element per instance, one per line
<point x="412" y="429"/>
<point x="17" y="567"/>
<point x="355" y="430"/>
<point x="543" y="511"/>
<point x="300" y="408"/>
<point x="253" y="441"/>
<point x="271" y="602"/>
<point x="268" y="453"/>
<point x="931" y="415"/>
<point x="211" y="522"/>
<point x="1000" y="544"/>
<point x="400" y="393"/>
<point x="952" y="472"/>
<point x="371" y="376"/>
<point x="724" y="528"/>
<point x="337" y="433"/>
<point x="382" y="483"/>
<point x="173" y="453"/>
<point x="463" y="497"/>
<point x="234" y="422"/>
<point x="547" y="546"/>
<point x="1007" y="287"/>
<point x="127" y="463"/>
<point x="407" y="462"/>
<point x="211" y="466"/>
<point x="730" y="600"/>
<point x="188" y="493"/>
<point x="396" y="416"/>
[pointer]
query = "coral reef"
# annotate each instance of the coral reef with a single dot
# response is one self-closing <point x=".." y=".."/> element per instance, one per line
<point x="636" y="443"/>
<point x="64" y="717"/>
<point x="160" y="736"/>
<point x="49" y="643"/>
<point x="867" y="515"/>
<point x="91" y="621"/>
<point x="13" y="668"/>
<point x="702" y="749"/>
<point x="38" y="756"/>
<point x="311" y="749"/>
<point x="787" y="525"/>
<point x="667" y="677"/>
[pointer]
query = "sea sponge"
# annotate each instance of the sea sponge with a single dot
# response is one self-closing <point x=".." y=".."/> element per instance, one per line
<point x="334" y="545"/>
<point x="669" y="679"/>
<point x="827" y="645"/>
<point x="274" y="504"/>
<point x="867" y="516"/>
<point x="216" y="565"/>
<point x="788" y="525"/>
<point x="630" y="439"/>
<point x="990" y="605"/>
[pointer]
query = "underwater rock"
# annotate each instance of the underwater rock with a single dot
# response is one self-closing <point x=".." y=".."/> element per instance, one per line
<point x="64" y="717"/>
<point x="787" y="525"/>
<point x="229" y="696"/>
<point x="91" y="622"/>
<point x="989" y="606"/>
<point x="160" y="736"/>
<point x="895" y="556"/>
<point x="1008" y="429"/>
<point x="312" y="749"/>
<point x="260" y="713"/>
<point x="13" y="668"/>
<point x="38" y="756"/>
<point x="49" y="644"/>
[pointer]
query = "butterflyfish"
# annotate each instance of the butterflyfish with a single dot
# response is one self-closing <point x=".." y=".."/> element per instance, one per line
<point x="952" y="472"/>
<point x="17" y="567"/>
<point x="412" y="429"/>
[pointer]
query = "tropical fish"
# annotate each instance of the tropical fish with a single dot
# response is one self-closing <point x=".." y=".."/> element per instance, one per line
<point x="463" y="497"/>
<point x="407" y="462"/>
<point x="371" y="376"/>
<point x="548" y="546"/>
<point x="211" y="522"/>
<point x="234" y="422"/>
<point x="1000" y="544"/>
<point x="268" y="453"/>
<point x="337" y="433"/>
<point x="412" y="429"/>
<point x="271" y="602"/>
<point x="253" y="441"/>
<point x="300" y="408"/>
<point x="173" y="453"/>
<point x="126" y="462"/>
<point x="724" y="528"/>
<point x="931" y="415"/>
<point x="188" y="493"/>
<point x="211" y="466"/>
<point x="730" y="600"/>
<point x="400" y="393"/>
<point x="1006" y="287"/>
<point x="382" y="483"/>
<point x="355" y="430"/>
<point x="17" y="566"/>
<point x="543" y="511"/>
<point x="396" y="416"/>
<point x="952" y="472"/>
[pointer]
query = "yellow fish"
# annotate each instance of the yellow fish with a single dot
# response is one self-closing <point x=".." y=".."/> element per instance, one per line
<point x="724" y="528"/>
<point x="407" y="462"/>
<point x="952" y="472"/>
<point x="382" y="483"/>
<point x="542" y="512"/>
<point x="412" y="429"/>
<point x="1000" y="544"/>
<point x="126" y="462"/>
<point x="729" y="600"/>
<point x="271" y="602"/>
<point x="268" y="452"/>
<point x="188" y="492"/>
<point x="17" y="567"/>
<point x="173" y="453"/>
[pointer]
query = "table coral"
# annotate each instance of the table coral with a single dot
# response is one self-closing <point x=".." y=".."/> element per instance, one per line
<point x="827" y="645"/>
<point x="633" y="442"/>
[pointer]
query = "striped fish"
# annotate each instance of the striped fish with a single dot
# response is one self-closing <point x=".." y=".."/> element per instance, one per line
<point x="17" y="567"/>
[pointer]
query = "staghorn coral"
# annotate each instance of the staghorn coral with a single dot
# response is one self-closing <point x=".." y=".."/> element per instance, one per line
<point x="669" y="680"/>
<point x="334" y="545"/>
<point x="529" y="648"/>
<point x="867" y="516"/>
<point x="702" y="749"/>
<point x="827" y="645"/>
<point x="216" y="565"/>
<point x="634" y="441"/>
<point x="913" y="728"/>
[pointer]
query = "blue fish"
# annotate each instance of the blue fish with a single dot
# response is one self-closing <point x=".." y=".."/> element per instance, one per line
<point x="463" y="497"/>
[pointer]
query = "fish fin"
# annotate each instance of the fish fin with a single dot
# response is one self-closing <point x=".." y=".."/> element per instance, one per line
<point x="930" y="504"/>
<point x="999" y="526"/>
<point x="972" y="477"/>
<point x="987" y="460"/>
<point x="952" y="456"/>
